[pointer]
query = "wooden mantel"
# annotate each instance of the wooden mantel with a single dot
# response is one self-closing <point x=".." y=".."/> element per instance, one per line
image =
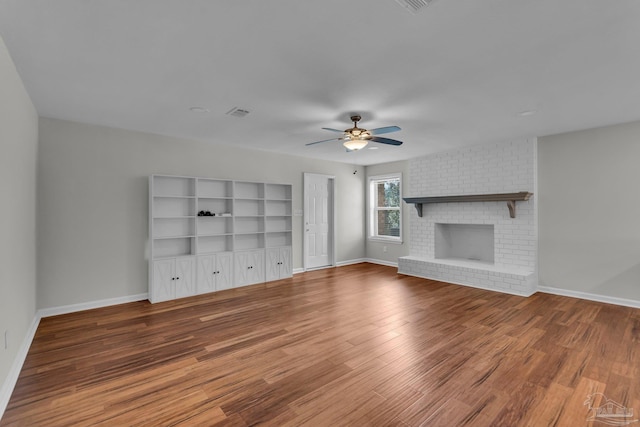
<point x="510" y="198"/>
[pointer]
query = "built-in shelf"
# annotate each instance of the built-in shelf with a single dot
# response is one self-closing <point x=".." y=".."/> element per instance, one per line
<point x="510" y="198"/>
<point x="210" y="234"/>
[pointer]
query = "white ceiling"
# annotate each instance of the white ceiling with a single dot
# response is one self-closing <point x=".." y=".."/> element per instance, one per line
<point x="456" y="73"/>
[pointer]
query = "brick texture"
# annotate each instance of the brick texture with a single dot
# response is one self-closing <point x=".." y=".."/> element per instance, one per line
<point x="485" y="169"/>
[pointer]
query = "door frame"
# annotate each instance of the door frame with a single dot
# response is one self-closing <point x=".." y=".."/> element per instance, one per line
<point x="332" y="221"/>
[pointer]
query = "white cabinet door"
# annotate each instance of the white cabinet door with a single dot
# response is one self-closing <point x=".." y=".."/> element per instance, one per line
<point x="241" y="268"/>
<point x="249" y="267"/>
<point x="278" y="263"/>
<point x="215" y="272"/>
<point x="205" y="275"/>
<point x="273" y="264"/>
<point x="256" y="273"/>
<point x="185" y="277"/>
<point x="224" y="270"/>
<point x="286" y="262"/>
<point x="163" y="280"/>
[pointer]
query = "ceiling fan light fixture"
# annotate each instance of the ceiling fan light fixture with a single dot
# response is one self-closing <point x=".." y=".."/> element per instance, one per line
<point x="355" y="144"/>
<point x="356" y="138"/>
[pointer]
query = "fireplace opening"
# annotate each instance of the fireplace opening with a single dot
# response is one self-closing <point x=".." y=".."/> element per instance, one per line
<point x="468" y="242"/>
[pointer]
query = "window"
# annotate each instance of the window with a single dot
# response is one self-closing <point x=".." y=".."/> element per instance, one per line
<point x="385" y="207"/>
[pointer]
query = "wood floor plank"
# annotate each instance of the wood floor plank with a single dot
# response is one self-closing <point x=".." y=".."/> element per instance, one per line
<point x="355" y="345"/>
<point x="550" y="409"/>
<point x="575" y="412"/>
<point x="518" y="409"/>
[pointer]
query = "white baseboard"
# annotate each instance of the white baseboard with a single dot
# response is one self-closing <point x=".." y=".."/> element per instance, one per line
<point x="12" y="377"/>
<point x="65" y="309"/>
<point x="337" y="264"/>
<point x="382" y="262"/>
<point x="591" y="297"/>
<point x="350" y="262"/>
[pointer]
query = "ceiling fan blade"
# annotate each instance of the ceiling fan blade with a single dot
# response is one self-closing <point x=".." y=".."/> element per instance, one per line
<point x="333" y="130"/>
<point x="385" y="140"/>
<point x="324" y="140"/>
<point x="387" y="129"/>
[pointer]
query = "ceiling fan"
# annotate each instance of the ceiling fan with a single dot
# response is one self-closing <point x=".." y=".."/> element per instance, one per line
<point x="357" y="138"/>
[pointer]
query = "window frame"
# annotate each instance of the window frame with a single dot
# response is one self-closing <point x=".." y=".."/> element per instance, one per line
<point x="373" y="209"/>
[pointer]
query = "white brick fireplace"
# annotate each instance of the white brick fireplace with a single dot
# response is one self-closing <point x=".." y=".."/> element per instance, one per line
<point x="511" y="264"/>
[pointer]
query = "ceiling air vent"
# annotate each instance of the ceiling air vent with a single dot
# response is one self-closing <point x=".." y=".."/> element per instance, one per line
<point x="237" y="112"/>
<point x="413" y="6"/>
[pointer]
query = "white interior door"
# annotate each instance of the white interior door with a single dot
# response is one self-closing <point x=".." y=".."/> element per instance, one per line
<point x="318" y="221"/>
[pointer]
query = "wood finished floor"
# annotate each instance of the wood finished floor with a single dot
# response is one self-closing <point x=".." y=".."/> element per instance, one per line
<point x="357" y="345"/>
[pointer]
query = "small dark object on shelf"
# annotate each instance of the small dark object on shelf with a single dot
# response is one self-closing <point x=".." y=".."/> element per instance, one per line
<point x="201" y="213"/>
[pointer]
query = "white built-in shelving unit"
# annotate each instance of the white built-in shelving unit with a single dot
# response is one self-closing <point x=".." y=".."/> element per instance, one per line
<point x="212" y="234"/>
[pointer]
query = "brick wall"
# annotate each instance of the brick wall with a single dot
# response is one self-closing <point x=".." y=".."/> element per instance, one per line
<point x="484" y="169"/>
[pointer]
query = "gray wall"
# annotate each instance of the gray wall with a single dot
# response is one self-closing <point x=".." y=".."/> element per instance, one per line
<point x="18" y="153"/>
<point x="93" y="206"/>
<point x="375" y="249"/>
<point x="589" y="211"/>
